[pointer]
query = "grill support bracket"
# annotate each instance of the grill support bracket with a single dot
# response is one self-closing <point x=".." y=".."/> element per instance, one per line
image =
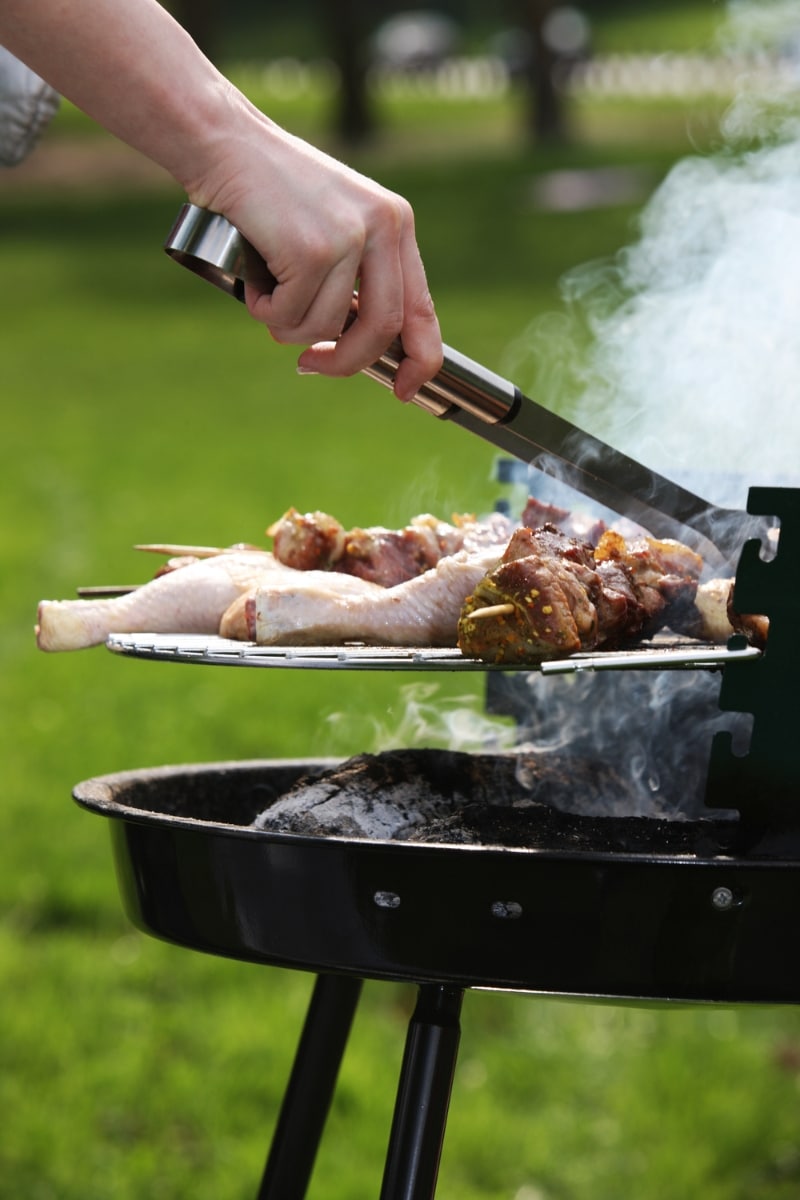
<point x="764" y="783"/>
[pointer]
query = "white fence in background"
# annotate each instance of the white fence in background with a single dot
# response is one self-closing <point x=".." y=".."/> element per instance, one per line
<point x="680" y="75"/>
<point x="627" y="76"/>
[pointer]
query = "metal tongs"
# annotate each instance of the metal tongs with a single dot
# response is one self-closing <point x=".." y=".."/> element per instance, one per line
<point x="493" y="408"/>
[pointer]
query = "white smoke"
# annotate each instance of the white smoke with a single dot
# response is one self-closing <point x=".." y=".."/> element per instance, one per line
<point x="690" y="363"/>
<point x="693" y="363"/>
<point x="692" y="366"/>
<point x="424" y="717"/>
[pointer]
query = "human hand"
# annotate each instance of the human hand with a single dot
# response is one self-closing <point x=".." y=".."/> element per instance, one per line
<point x="323" y="229"/>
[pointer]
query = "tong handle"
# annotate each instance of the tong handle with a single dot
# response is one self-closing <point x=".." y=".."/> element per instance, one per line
<point x="209" y="245"/>
<point x="484" y="403"/>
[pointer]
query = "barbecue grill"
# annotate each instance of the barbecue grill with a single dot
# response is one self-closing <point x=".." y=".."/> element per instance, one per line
<point x="700" y="910"/>
<point x="587" y="905"/>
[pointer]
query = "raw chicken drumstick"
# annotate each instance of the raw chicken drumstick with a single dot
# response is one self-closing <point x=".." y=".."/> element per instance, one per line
<point x="189" y="599"/>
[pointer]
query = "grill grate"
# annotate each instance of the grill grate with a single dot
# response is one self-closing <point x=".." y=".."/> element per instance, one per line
<point x="660" y="654"/>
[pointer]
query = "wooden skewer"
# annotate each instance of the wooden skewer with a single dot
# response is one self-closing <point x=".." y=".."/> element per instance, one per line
<point x="99" y="593"/>
<point x="172" y="550"/>
<point x="176" y="550"/>
<point x="491" y="610"/>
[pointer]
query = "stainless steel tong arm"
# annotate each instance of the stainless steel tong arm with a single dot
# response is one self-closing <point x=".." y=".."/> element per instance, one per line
<point x="485" y="404"/>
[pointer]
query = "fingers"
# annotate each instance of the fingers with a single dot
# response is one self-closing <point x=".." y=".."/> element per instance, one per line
<point x="355" y="234"/>
<point x="393" y="301"/>
<point x="421" y="336"/>
<point x="379" y="315"/>
<point x="310" y="306"/>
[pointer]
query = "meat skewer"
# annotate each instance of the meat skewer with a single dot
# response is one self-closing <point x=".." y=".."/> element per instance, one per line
<point x="539" y="595"/>
<point x="316" y="540"/>
<point x="551" y="595"/>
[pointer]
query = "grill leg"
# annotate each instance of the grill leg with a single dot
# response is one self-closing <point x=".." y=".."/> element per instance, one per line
<point x="310" y="1089"/>
<point x="423" y="1097"/>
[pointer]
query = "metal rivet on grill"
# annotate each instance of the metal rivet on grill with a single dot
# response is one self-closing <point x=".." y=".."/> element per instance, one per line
<point x="387" y="899"/>
<point x="722" y="898"/>
<point x="507" y="910"/>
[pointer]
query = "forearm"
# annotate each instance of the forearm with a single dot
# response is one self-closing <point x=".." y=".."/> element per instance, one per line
<point x="320" y="226"/>
<point x="136" y="71"/>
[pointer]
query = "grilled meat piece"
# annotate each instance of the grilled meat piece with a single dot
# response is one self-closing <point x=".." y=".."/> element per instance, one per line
<point x="536" y="604"/>
<point x="663" y="574"/>
<point x="713" y="618"/>
<point x="716" y="619"/>
<point x="307" y="541"/>
<point x="582" y="527"/>
<point x="390" y="556"/>
<point x="317" y="541"/>
<point x="754" y="628"/>
<point x="551" y="595"/>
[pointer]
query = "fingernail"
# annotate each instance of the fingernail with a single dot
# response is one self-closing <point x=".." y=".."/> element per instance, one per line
<point x="306" y="371"/>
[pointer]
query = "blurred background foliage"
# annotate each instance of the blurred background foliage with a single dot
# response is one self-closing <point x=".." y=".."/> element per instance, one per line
<point x="139" y="405"/>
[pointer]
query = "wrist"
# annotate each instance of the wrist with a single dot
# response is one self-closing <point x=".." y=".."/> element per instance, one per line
<point x="220" y="129"/>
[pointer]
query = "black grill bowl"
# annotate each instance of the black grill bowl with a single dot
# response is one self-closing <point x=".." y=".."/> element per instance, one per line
<point x="676" y="918"/>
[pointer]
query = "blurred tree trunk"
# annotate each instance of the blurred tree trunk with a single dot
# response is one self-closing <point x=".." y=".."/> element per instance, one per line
<point x="201" y="19"/>
<point x="545" y="118"/>
<point x="348" y="25"/>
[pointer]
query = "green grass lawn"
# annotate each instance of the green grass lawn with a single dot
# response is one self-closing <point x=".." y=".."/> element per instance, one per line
<point x="139" y="405"/>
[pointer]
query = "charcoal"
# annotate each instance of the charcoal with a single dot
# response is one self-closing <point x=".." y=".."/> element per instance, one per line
<point x="539" y="827"/>
<point x="430" y="795"/>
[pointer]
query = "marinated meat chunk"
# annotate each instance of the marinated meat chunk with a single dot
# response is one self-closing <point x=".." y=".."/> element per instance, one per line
<point x="307" y="541"/>
<point x="317" y="541"/>
<point x="552" y="595"/>
<point x="388" y="556"/>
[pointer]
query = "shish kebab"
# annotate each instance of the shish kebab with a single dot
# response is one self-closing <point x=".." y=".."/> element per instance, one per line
<point x="503" y="593"/>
